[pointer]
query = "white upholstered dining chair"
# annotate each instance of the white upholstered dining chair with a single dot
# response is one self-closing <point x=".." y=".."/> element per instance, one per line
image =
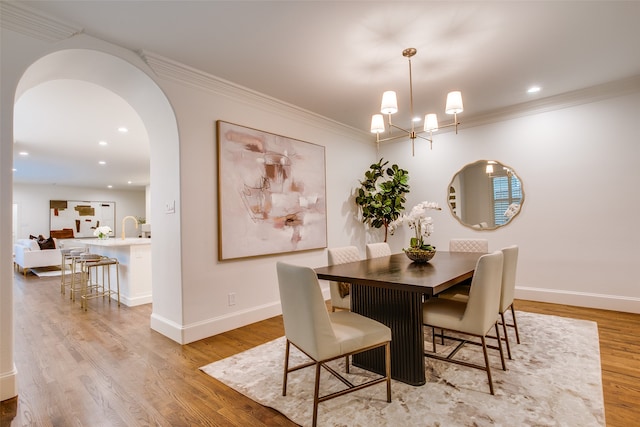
<point x="323" y="336"/>
<point x="464" y="245"/>
<point x="341" y="292"/>
<point x="507" y="293"/>
<point x="476" y="317"/>
<point x="376" y="250"/>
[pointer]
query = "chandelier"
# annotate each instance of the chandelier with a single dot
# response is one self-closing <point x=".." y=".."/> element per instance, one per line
<point x="389" y="106"/>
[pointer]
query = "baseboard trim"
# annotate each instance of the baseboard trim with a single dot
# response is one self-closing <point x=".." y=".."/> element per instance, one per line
<point x="227" y="322"/>
<point x="132" y="302"/>
<point x="217" y="325"/>
<point x="8" y="384"/>
<point x="166" y="327"/>
<point x="210" y="327"/>
<point x="580" y="299"/>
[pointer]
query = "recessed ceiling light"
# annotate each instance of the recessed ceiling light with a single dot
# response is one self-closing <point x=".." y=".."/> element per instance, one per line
<point x="109" y="186"/>
<point x="102" y="162"/>
<point x="123" y="129"/>
<point x="533" y="89"/>
<point x="103" y="143"/>
<point x="128" y="182"/>
<point x="23" y="153"/>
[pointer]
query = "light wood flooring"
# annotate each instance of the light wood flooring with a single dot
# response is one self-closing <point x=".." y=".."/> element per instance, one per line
<point x="106" y="367"/>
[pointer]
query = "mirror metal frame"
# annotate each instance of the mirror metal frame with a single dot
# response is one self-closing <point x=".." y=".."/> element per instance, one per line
<point x="495" y="227"/>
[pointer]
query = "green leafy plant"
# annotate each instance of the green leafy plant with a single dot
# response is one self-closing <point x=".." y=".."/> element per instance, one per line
<point x="381" y="195"/>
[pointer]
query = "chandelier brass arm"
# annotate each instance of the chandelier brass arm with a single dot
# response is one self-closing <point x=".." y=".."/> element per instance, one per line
<point x="413" y="134"/>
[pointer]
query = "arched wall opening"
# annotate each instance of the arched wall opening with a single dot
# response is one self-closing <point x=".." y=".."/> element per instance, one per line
<point x="148" y="100"/>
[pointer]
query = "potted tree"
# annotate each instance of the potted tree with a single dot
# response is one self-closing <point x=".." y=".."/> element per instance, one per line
<point x="381" y="195"/>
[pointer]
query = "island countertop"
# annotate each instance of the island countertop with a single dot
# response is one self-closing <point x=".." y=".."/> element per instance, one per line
<point x="134" y="258"/>
<point x="114" y="241"/>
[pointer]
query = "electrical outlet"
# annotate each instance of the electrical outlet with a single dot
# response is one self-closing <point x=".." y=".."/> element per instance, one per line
<point x="232" y="298"/>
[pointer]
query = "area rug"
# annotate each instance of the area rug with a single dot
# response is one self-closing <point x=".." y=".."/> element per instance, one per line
<point x="554" y="379"/>
<point x="52" y="271"/>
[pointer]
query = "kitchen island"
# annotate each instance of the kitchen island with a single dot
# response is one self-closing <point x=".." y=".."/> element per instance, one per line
<point x="134" y="256"/>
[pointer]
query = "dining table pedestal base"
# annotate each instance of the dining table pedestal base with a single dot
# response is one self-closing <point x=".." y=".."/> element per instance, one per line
<point x="401" y="311"/>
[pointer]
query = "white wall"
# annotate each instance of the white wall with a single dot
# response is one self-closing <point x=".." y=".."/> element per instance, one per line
<point x="33" y="205"/>
<point x="206" y="281"/>
<point x="578" y="231"/>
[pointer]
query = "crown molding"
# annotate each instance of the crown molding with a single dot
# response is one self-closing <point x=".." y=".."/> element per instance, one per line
<point x="183" y="74"/>
<point x="574" y="98"/>
<point x="27" y="21"/>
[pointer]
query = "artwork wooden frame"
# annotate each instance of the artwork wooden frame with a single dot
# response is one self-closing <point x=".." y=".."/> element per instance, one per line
<point x="271" y="193"/>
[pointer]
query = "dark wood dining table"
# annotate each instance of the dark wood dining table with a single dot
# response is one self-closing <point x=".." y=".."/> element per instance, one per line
<point x="391" y="290"/>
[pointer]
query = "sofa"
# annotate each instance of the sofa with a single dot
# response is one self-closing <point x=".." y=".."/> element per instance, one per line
<point x="27" y="254"/>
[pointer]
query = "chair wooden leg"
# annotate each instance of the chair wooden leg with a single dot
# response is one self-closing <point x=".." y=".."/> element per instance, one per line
<point x="387" y="356"/>
<point x="504" y="367"/>
<point x="286" y="368"/>
<point x="515" y="323"/>
<point x="506" y="335"/>
<point x="316" y="395"/>
<point x="486" y="361"/>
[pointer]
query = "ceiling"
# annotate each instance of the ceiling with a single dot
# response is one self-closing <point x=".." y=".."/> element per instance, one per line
<point x="333" y="58"/>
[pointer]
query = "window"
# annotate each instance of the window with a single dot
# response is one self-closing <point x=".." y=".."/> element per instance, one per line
<point x="506" y="190"/>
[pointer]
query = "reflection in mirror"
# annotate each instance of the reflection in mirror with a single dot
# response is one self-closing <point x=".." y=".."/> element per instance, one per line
<point x="485" y="195"/>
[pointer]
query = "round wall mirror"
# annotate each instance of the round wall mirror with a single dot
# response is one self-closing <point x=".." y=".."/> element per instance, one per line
<point x="485" y="195"/>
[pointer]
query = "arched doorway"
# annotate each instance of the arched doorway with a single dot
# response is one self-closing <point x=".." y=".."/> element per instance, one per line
<point x="140" y="91"/>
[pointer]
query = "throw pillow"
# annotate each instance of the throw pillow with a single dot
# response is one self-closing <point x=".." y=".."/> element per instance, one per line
<point x="47" y="243"/>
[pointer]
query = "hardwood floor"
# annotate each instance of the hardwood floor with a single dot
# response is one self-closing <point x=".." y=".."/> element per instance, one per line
<point x="106" y="367"/>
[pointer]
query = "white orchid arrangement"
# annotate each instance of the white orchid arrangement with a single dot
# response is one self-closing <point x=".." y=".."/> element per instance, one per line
<point x="102" y="232"/>
<point x="421" y="224"/>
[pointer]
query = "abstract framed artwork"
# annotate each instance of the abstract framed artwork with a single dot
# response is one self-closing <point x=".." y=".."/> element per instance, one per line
<point x="271" y="193"/>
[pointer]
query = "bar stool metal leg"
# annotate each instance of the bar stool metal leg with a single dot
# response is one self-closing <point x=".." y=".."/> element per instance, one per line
<point x="101" y="267"/>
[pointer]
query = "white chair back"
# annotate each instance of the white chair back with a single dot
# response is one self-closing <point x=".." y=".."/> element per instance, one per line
<point x="484" y="295"/>
<point x="376" y="250"/>
<point x="305" y="315"/>
<point x="469" y="245"/>
<point x="508" y="277"/>
<point x="341" y="255"/>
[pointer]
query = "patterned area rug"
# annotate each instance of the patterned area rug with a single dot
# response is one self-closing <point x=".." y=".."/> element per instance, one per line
<point x="553" y="380"/>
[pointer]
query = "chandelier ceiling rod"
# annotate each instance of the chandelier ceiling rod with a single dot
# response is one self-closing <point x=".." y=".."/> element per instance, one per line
<point x="389" y="106"/>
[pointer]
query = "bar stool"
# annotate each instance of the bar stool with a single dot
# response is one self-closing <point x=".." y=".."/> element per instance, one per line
<point x="79" y="278"/>
<point x="76" y="257"/>
<point x="66" y="279"/>
<point x="95" y="268"/>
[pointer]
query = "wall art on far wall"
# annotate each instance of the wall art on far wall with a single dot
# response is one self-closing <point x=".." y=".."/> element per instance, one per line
<point x="79" y="218"/>
<point x="271" y="193"/>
